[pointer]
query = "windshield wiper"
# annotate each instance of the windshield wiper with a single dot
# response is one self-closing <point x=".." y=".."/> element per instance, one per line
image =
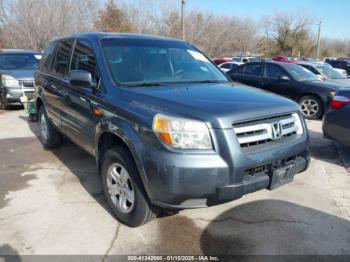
<point x="144" y="84"/>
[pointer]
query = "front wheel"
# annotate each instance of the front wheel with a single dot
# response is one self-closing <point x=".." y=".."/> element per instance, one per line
<point x="311" y="107"/>
<point x="124" y="190"/>
<point x="49" y="136"/>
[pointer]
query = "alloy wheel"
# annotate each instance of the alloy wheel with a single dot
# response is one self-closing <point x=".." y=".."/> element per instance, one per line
<point x="44" y="131"/>
<point x="309" y="107"/>
<point x="120" y="188"/>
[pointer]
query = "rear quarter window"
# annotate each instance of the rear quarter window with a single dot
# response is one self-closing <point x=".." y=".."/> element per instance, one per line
<point x="47" y="57"/>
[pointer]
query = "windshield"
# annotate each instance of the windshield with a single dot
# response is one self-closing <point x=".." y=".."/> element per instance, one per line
<point x="330" y="72"/>
<point x="17" y="61"/>
<point x="300" y="73"/>
<point x="135" y="61"/>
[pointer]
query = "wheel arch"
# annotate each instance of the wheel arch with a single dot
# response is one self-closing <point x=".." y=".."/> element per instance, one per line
<point x="120" y="134"/>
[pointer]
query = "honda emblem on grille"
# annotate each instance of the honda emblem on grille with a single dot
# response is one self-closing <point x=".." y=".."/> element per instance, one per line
<point x="276" y="131"/>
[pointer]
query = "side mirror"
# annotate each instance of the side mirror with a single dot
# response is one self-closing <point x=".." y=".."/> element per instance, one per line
<point x="80" y="78"/>
<point x="284" y="78"/>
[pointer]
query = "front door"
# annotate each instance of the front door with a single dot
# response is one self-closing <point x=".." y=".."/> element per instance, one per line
<point x="79" y="121"/>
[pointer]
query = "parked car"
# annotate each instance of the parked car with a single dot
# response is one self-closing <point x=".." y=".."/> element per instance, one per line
<point x="289" y="80"/>
<point x="341" y="64"/>
<point x="166" y="126"/>
<point x="228" y="66"/>
<point x="17" y="69"/>
<point x="244" y="59"/>
<point x="221" y="60"/>
<point x="286" y="59"/>
<point x="336" y="124"/>
<point x="326" y="72"/>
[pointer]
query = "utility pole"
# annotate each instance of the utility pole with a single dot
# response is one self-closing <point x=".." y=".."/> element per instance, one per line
<point x="183" y="3"/>
<point x="318" y="39"/>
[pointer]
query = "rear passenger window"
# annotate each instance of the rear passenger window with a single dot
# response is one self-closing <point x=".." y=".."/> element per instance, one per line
<point x="62" y="58"/>
<point x="253" y="69"/>
<point x="273" y="71"/>
<point x="84" y="59"/>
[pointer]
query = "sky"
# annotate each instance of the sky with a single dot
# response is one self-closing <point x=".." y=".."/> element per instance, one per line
<point x="335" y="14"/>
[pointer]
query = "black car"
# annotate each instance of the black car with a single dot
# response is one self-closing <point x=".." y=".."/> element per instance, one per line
<point x="336" y="124"/>
<point x="167" y="128"/>
<point x="17" y="69"/>
<point x="341" y="64"/>
<point x="289" y="80"/>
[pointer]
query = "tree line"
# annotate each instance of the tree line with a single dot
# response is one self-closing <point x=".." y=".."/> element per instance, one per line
<point x="32" y="23"/>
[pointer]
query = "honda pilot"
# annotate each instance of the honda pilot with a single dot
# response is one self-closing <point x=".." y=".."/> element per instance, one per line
<point x="167" y="128"/>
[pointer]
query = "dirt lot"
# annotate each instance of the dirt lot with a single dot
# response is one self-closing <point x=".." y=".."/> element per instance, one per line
<point x="51" y="203"/>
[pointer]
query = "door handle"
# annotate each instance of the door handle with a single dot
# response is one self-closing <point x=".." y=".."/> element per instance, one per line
<point x="82" y="98"/>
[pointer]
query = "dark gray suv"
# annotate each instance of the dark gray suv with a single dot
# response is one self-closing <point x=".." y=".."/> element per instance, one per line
<point x="167" y="128"/>
<point x="17" y="69"/>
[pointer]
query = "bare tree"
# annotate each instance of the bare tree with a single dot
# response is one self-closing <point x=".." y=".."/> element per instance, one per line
<point x="292" y="33"/>
<point x="32" y="23"/>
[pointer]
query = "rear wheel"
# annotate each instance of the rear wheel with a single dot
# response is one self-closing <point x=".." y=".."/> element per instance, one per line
<point x="49" y="136"/>
<point x="124" y="190"/>
<point x="311" y="107"/>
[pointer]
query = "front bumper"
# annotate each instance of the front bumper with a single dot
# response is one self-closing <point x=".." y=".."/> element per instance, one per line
<point x="13" y="95"/>
<point x="178" y="180"/>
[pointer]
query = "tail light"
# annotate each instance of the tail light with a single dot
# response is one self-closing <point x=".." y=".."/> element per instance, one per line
<point x="339" y="101"/>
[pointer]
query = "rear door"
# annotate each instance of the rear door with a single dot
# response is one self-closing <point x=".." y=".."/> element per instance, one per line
<point x="252" y="74"/>
<point x="79" y="118"/>
<point x="57" y="80"/>
<point x="43" y="82"/>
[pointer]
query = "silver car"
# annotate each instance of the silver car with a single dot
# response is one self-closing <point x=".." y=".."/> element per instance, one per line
<point x="17" y="69"/>
<point x="326" y="72"/>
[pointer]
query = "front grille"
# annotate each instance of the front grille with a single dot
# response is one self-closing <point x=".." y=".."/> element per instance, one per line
<point x="267" y="130"/>
<point x="26" y="83"/>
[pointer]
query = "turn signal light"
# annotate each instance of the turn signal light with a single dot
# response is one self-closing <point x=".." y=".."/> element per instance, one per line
<point x="339" y="101"/>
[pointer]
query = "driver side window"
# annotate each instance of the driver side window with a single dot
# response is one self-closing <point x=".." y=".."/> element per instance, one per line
<point x="84" y="59"/>
<point x="274" y="71"/>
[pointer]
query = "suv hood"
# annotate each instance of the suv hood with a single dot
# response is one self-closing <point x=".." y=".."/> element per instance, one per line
<point x="19" y="74"/>
<point x="219" y="105"/>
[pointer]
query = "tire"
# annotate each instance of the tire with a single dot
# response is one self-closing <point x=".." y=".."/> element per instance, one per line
<point x="49" y="136"/>
<point x="121" y="181"/>
<point x="311" y="107"/>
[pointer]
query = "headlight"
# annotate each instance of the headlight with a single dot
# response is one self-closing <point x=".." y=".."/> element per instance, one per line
<point x="182" y="133"/>
<point x="298" y="123"/>
<point x="9" y="81"/>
